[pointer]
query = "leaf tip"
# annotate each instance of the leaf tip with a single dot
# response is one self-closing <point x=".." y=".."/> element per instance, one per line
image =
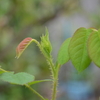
<point x="93" y="29"/>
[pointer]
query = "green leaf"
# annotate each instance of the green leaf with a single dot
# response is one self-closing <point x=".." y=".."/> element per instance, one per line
<point x="39" y="81"/>
<point x="1" y="72"/>
<point x="63" y="55"/>
<point x="22" y="46"/>
<point x="18" y="78"/>
<point x="94" y="47"/>
<point x="78" y="49"/>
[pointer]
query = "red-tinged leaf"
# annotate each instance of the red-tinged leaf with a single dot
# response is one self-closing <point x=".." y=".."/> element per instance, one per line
<point x="22" y="46"/>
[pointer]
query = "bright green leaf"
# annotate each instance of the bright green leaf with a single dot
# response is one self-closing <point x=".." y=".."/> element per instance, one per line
<point x="78" y="49"/>
<point x="94" y="47"/>
<point x="39" y="81"/>
<point x="18" y="78"/>
<point x="63" y="55"/>
<point x="1" y="72"/>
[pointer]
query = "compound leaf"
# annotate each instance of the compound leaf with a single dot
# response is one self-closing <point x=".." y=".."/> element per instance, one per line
<point x="63" y="55"/>
<point x="78" y="49"/>
<point x="18" y="78"/>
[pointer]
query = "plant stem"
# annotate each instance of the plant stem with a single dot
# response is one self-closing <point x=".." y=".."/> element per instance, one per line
<point x="49" y="59"/>
<point x="42" y="98"/>
<point x="54" y="89"/>
<point x="55" y="83"/>
<point x="54" y="70"/>
<point x="52" y="67"/>
<point x="3" y="70"/>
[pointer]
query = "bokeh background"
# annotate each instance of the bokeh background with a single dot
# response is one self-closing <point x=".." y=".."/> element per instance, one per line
<point x="28" y="18"/>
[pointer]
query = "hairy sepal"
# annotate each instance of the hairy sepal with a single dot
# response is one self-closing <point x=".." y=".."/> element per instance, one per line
<point x="46" y="45"/>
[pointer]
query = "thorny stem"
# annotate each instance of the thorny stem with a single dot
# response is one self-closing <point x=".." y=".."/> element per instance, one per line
<point x="54" y="71"/>
<point x="52" y="67"/>
<point x="55" y="83"/>
<point x="49" y="59"/>
<point x="42" y="98"/>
